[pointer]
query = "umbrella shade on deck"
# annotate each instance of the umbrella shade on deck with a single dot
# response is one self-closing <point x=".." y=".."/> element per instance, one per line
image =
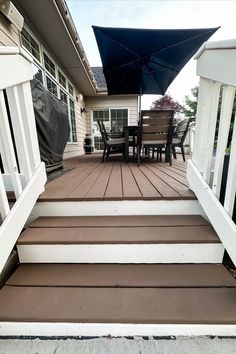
<point x="146" y="61"/>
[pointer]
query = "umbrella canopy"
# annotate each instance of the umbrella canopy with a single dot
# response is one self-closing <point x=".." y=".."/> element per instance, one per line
<point x="146" y="61"/>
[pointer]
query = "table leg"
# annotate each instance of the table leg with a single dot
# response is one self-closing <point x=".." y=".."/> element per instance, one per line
<point x="126" y="145"/>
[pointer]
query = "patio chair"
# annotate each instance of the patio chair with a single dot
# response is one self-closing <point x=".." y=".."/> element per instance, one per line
<point x="113" y="143"/>
<point x="179" y="137"/>
<point x="156" y="132"/>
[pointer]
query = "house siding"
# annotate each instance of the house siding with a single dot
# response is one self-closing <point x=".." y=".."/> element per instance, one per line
<point x="104" y="102"/>
<point x="9" y="34"/>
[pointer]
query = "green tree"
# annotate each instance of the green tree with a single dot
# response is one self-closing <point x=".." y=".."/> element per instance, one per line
<point x="190" y="104"/>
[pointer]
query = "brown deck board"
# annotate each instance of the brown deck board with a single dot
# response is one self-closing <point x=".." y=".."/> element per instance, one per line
<point x="99" y="187"/>
<point x="114" y="187"/>
<point x="130" y="188"/>
<point x="177" y="186"/>
<point x="119" y="305"/>
<point x="89" y="179"/>
<point x="116" y="235"/>
<point x="120" y="221"/>
<point x="146" y="187"/>
<point x="122" y="275"/>
<point x="165" y="190"/>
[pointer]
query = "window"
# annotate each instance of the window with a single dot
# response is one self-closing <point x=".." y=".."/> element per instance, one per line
<point x="62" y="79"/>
<point x="49" y="65"/>
<point x="30" y="44"/>
<point x="71" y="90"/>
<point x="51" y="76"/>
<point x="73" y="121"/>
<point x="51" y="86"/>
<point x="114" y="121"/>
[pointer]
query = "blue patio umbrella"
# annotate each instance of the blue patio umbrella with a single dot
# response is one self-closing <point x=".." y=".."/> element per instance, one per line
<point x="146" y="61"/>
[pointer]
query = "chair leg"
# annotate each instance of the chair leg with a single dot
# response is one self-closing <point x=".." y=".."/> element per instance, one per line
<point x="170" y="149"/>
<point x="174" y="152"/>
<point x="182" y="150"/>
<point x="108" y="153"/>
<point x="103" y="155"/>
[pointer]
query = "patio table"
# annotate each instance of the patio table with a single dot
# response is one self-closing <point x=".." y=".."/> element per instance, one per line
<point x="130" y="131"/>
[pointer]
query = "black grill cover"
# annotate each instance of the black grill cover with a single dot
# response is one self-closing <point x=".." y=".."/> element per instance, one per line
<point x="52" y="125"/>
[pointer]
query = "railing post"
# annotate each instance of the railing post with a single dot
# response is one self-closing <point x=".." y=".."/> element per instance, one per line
<point x="224" y="126"/>
<point x="8" y="147"/>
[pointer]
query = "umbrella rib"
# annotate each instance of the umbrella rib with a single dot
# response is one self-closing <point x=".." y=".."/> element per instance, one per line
<point x="155" y="83"/>
<point x="120" y="44"/>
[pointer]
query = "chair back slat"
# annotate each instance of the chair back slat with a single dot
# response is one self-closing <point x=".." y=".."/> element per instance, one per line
<point x="156" y="126"/>
<point x="182" y="129"/>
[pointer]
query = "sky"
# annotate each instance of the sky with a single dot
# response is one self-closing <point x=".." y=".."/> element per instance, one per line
<point x="154" y="14"/>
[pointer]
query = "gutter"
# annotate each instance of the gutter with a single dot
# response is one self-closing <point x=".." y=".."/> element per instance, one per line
<point x="66" y="16"/>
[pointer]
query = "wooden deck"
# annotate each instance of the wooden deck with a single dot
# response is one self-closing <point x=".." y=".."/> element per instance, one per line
<point x="89" y="179"/>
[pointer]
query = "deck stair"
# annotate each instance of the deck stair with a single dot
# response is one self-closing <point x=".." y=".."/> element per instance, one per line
<point x="119" y="275"/>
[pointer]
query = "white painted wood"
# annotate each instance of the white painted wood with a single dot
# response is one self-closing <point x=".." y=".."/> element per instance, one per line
<point x="201" y="127"/>
<point x="124" y="207"/>
<point x="122" y="253"/>
<point x="4" y="205"/>
<point x="56" y="329"/>
<point x="15" y="220"/>
<point x="219" y="218"/>
<point x="8" y="147"/>
<point x="27" y="109"/>
<point x="14" y="68"/>
<point x="213" y="101"/>
<point x="225" y="44"/>
<point x="231" y="178"/>
<point x="8" y="182"/>
<point x="218" y="65"/>
<point x="19" y="132"/>
<point x="225" y="118"/>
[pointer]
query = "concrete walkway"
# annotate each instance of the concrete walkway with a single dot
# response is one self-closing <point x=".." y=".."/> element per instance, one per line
<point x="119" y="346"/>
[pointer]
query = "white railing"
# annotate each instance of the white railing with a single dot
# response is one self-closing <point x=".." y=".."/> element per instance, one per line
<point x="217" y="70"/>
<point x="22" y="172"/>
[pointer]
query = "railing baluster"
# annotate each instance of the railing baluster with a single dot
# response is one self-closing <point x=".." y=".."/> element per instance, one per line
<point x="25" y="96"/>
<point x="231" y="178"/>
<point x="6" y="139"/>
<point x="4" y="205"/>
<point x="225" y="118"/>
<point x="210" y="130"/>
<point x="19" y="133"/>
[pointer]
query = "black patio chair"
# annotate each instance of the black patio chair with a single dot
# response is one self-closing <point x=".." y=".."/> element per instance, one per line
<point x="179" y="137"/>
<point x="113" y="143"/>
<point x="156" y="132"/>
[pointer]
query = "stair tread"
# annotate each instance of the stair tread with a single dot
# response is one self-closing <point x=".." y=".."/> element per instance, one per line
<point x="118" y="305"/>
<point x="120" y="221"/>
<point x="122" y="275"/>
<point x="116" y="235"/>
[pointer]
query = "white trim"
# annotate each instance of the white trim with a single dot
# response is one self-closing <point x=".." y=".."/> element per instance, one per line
<point x="15" y="220"/>
<point x="124" y="207"/>
<point x="52" y="329"/>
<point x="219" y="218"/>
<point x="225" y="44"/>
<point x="122" y="253"/>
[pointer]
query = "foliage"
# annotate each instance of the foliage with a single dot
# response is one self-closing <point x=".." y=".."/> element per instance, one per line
<point x="190" y="104"/>
<point x="166" y="102"/>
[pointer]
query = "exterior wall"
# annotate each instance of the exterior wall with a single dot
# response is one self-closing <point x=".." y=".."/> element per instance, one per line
<point x="9" y="34"/>
<point x="103" y="102"/>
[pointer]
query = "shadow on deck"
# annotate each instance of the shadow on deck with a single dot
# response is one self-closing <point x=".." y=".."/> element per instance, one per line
<point x="89" y="179"/>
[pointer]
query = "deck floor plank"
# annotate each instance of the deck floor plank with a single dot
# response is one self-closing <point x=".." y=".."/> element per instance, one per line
<point x="122" y="275"/>
<point x="89" y="179"/>
<point x="118" y="305"/>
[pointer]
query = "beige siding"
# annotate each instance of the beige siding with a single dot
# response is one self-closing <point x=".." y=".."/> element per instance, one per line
<point x="103" y="102"/>
<point x="75" y="149"/>
<point x="9" y="34"/>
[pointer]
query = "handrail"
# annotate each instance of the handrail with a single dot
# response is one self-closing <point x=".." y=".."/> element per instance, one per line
<point x="22" y="171"/>
<point x="214" y="121"/>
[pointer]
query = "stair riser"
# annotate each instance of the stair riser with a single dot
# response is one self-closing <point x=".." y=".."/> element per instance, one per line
<point x="113" y="329"/>
<point x="133" y="253"/>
